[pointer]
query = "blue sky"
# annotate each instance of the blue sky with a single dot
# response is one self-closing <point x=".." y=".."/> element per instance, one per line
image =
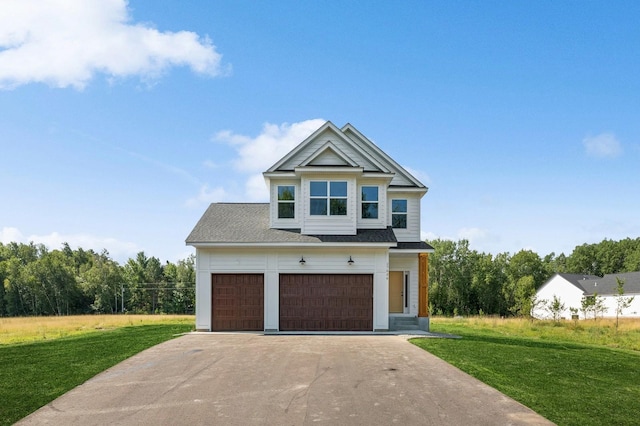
<point x="120" y="122"/>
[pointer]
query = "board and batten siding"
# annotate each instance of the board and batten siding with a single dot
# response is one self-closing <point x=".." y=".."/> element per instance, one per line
<point x="412" y="232"/>
<point x="407" y="263"/>
<point x="274" y="261"/>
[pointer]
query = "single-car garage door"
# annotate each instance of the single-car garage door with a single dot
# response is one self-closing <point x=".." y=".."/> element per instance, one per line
<point x="310" y="302"/>
<point x="237" y="302"/>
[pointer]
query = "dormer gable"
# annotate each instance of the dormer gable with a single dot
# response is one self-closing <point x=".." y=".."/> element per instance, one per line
<point x="329" y="155"/>
<point x="344" y="149"/>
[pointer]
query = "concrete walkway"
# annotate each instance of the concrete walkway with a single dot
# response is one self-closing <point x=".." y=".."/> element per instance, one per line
<point x="253" y="379"/>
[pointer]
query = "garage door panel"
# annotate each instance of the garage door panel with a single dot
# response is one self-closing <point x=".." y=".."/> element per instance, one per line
<point x="237" y="302"/>
<point x="326" y="302"/>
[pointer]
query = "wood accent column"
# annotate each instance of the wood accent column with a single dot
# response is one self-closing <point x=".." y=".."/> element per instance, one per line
<point x="423" y="284"/>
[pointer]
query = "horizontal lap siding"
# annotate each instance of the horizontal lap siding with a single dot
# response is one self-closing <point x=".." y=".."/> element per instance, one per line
<point x="326" y="302"/>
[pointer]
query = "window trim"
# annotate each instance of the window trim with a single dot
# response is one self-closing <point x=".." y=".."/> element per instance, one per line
<point x="404" y="213"/>
<point x="328" y="197"/>
<point x="282" y="201"/>
<point x="363" y="202"/>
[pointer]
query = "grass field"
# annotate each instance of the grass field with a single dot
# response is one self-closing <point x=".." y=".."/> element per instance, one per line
<point x="31" y="329"/>
<point x="584" y="373"/>
<point x="42" y="358"/>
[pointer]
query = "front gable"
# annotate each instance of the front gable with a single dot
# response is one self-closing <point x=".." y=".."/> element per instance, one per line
<point x="328" y="136"/>
<point x="337" y="181"/>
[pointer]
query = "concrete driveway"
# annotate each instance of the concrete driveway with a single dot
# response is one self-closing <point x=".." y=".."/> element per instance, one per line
<point x="252" y="379"/>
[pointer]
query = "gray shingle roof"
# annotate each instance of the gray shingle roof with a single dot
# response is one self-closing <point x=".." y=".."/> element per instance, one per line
<point x="606" y="285"/>
<point x="420" y="245"/>
<point x="249" y="223"/>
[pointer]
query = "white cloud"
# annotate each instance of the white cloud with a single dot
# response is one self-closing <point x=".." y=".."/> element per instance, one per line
<point x="259" y="153"/>
<point x="207" y="195"/>
<point x="119" y="250"/>
<point x="9" y="234"/>
<point x="257" y="189"/>
<point x="604" y="145"/>
<point x="66" y="42"/>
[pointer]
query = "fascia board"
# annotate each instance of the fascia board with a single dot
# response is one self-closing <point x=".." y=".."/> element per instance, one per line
<point x="410" y="251"/>
<point x="279" y="175"/>
<point x="400" y="189"/>
<point x="328" y="169"/>
<point x="277" y="245"/>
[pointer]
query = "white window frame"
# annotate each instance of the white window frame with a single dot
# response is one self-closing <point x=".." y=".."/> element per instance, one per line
<point x="376" y="202"/>
<point x="329" y="197"/>
<point x="400" y="213"/>
<point x="279" y="201"/>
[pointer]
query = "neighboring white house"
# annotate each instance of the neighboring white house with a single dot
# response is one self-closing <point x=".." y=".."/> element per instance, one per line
<point x="571" y="288"/>
<point x="337" y="247"/>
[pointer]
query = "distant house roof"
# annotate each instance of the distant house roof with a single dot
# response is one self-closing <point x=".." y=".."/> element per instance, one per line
<point x="606" y="285"/>
<point x="577" y="279"/>
<point x="248" y="223"/>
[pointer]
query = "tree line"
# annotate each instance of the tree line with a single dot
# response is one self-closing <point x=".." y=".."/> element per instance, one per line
<point x="37" y="281"/>
<point x="465" y="282"/>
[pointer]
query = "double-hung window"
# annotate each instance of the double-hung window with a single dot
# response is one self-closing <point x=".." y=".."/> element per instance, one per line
<point x="399" y="214"/>
<point x="328" y="198"/>
<point x="286" y="202"/>
<point x="369" y="202"/>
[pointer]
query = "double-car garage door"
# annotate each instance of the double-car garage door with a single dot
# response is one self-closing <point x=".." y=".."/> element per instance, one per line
<point x="308" y="302"/>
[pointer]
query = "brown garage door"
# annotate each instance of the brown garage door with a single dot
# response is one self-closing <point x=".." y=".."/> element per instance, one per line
<point x="312" y="302"/>
<point x="237" y="302"/>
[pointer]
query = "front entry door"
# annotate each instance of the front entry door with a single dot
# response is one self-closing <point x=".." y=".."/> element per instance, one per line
<point x="396" y="292"/>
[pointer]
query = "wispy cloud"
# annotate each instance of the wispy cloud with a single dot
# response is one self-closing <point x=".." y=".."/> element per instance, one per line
<point x="65" y="43"/>
<point x="207" y="195"/>
<point x="604" y="145"/>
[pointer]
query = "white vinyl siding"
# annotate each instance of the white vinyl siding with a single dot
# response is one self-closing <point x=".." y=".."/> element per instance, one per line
<point x="381" y="221"/>
<point x="412" y="231"/>
<point x="285" y="223"/>
<point x="328" y="224"/>
<point x="274" y="261"/>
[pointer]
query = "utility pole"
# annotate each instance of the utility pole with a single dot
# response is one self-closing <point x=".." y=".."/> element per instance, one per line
<point x="122" y="299"/>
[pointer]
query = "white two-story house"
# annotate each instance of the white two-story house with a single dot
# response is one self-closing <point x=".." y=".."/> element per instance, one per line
<point x="337" y="248"/>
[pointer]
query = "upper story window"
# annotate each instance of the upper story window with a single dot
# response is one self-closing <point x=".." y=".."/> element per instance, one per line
<point x="399" y="213"/>
<point x="286" y="201"/>
<point x="369" y="202"/>
<point x="328" y="198"/>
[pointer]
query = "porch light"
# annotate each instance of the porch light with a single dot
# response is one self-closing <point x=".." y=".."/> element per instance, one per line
<point x="350" y="261"/>
<point x="302" y="261"/>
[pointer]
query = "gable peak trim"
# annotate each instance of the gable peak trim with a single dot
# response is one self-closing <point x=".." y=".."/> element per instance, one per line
<point x="329" y="147"/>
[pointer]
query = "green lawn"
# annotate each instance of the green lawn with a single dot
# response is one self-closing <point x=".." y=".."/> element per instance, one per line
<point x="33" y="374"/>
<point x="568" y="383"/>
